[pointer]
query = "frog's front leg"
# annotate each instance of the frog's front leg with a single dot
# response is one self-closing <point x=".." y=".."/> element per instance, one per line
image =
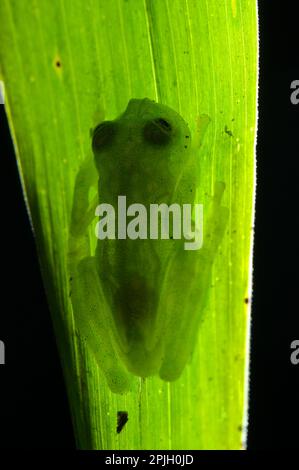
<point x="83" y="210"/>
<point x="185" y="290"/>
<point x="92" y="315"/>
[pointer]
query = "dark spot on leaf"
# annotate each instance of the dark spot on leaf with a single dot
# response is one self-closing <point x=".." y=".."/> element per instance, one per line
<point x="58" y="63"/>
<point x="228" y="132"/>
<point x="122" y="418"/>
<point x="246" y="300"/>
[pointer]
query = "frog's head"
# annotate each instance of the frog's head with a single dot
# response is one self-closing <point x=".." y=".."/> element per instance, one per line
<point x="149" y="142"/>
<point x="145" y="125"/>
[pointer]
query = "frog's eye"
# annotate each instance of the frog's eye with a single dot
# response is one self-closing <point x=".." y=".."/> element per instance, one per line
<point x="103" y="135"/>
<point x="158" y="131"/>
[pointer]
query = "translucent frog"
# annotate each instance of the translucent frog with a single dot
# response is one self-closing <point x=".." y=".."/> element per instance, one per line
<point x="138" y="302"/>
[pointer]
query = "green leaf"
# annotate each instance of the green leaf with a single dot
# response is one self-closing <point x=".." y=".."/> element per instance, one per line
<point x="67" y="65"/>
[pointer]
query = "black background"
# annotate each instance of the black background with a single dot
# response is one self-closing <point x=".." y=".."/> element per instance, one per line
<point x="34" y="411"/>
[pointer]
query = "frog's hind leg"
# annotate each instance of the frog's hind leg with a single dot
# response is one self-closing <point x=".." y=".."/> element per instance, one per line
<point x="92" y="315"/>
<point x="94" y="321"/>
<point x="188" y="284"/>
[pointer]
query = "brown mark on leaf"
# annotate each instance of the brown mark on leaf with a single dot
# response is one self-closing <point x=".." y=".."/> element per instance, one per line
<point x="57" y="64"/>
<point x="228" y="132"/>
<point x="122" y="418"/>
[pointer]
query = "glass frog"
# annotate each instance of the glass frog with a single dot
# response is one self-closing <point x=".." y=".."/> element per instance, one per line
<point x="138" y="302"/>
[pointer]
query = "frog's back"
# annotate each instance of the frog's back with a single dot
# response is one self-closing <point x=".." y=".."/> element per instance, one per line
<point x="146" y="156"/>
